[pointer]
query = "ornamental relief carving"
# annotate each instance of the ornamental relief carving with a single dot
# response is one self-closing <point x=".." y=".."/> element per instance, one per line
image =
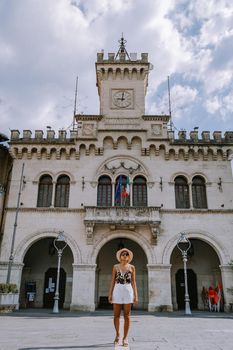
<point x="123" y="165"/>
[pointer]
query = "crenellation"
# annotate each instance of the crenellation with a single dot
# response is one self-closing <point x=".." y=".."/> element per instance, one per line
<point x="100" y="57"/>
<point x="182" y="135"/>
<point x="194" y="135"/>
<point x="15" y="134"/>
<point x="122" y="56"/>
<point x="111" y="56"/>
<point x="144" y="57"/>
<point x="205" y="136"/>
<point x="39" y="134"/>
<point x="62" y="135"/>
<point x="217" y="135"/>
<point x="50" y="134"/>
<point x="228" y="136"/>
<point x="27" y="134"/>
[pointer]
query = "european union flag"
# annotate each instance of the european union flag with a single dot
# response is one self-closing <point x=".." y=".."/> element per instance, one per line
<point x="118" y="191"/>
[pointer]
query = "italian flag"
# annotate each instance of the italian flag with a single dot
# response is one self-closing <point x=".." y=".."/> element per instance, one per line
<point x="126" y="190"/>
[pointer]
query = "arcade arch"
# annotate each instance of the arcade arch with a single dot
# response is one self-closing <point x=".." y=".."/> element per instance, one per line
<point x="39" y="275"/>
<point x="107" y="258"/>
<point x="203" y="271"/>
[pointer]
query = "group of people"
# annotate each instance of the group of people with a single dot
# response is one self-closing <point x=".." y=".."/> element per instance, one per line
<point x="213" y="298"/>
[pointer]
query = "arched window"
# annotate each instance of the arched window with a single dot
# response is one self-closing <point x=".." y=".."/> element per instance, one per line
<point x="139" y="192"/>
<point x="62" y="191"/>
<point x="199" y="192"/>
<point x="122" y="191"/>
<point x="104" y="195"/>
<point x="181" y="192"/>
<point x="45" y="191"/>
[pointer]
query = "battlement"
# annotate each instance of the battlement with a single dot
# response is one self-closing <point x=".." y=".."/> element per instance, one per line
<point x="205" y="137"/>
<point x="63" y="137"/>
<point x="39" y="136"/>
<point x="123" y="57"/>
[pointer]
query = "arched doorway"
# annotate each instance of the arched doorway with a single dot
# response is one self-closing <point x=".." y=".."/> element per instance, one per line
<point x="38" y="282"/>
<point x="105" y="261"/>
<point x="202" y="271"/>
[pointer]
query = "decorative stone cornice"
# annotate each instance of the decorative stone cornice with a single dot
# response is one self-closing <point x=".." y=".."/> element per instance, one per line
<point x="164" y="118"/>
<point x="122" y="216"/>
<point x="196" y="211"/>
<point x="84" y="117"/>
<point x="49" y="210"/>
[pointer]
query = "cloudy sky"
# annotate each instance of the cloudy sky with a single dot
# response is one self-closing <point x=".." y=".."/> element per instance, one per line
<point x="45" y="44"/>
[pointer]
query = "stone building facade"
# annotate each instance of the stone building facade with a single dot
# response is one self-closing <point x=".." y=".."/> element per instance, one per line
<point x="5" y="174"/>
<point x="177" y="184"/>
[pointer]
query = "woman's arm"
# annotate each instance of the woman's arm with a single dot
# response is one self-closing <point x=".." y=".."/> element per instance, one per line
<point x="134" y="285"/>
<point x="112" y="285"/>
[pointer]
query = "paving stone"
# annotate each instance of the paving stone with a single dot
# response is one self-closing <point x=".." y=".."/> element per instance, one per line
<point x="42" y="330"/>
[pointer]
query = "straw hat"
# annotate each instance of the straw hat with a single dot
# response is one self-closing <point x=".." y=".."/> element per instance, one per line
<point x="118" y="254"/>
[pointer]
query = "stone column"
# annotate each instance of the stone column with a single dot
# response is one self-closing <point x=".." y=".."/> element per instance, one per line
<point x="131" y="193"/>
<point x="53" y="194"/>
<point x="190" y="195"/>
<point x="83" y="290"/>
<point x="227" y="282"/>
<point x="159" y="288"/>
<point x="113" y="194"/>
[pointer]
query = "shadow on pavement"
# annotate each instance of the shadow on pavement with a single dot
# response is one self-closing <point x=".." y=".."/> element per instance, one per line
<point x="47" y="314"/>
<point x="96" y="346"/>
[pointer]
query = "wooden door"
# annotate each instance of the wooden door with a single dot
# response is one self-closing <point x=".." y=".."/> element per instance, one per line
<point x="50" y="287"/>
<point x="192" y="289"/>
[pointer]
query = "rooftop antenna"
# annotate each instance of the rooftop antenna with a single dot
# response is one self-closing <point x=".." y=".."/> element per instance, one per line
<point x="169" y="101"/>
<point x="75" y="101"/>
<point x="122" y="48"/>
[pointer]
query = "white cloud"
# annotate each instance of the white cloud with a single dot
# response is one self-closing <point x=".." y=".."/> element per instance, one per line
<point x="43" y="49"/>
<point x="182" y="98"/>
<point x="222" y="106"/>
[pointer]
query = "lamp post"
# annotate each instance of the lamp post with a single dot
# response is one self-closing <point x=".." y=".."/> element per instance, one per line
<point x="11" y="258"/>
<point x="184" y="244"/>
<point x="59" y="244"/>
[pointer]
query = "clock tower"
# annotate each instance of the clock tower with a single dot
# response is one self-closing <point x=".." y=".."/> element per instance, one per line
<point x="122" y="81"/>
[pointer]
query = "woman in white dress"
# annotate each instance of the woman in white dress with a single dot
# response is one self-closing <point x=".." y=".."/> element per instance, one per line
<point x="123" y="291"/>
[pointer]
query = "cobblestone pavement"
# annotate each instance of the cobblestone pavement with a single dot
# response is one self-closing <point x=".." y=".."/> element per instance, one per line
<point x="42" y="330"/>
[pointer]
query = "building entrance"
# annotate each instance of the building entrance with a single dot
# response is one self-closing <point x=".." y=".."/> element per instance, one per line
<point x="50" y="287"/>
<point x="192" y="289"/>
<point x="39" y="275"/>
<point x="105" y="261"/>
<point x="203" y="272"/>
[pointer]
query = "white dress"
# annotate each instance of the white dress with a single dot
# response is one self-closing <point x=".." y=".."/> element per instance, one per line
<point x="123" y="290"/>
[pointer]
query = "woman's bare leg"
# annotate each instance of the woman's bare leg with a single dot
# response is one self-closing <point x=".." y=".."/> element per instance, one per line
<point x="127" y="312"/>
<point x="117" y="314"/>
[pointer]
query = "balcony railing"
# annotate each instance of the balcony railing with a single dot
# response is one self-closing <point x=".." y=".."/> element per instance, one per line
<point x="127" y="216"/>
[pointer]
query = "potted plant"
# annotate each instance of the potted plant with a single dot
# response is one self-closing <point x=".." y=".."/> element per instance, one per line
<point x="9" y="297"/>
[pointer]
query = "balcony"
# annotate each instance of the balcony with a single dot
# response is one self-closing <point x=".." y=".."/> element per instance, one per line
<point x="122" y="216"/>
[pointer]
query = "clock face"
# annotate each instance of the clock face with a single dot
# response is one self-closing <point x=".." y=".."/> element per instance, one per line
<point x="122" y="98"/>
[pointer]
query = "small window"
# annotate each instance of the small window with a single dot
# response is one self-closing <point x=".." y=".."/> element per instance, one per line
<point x="181" y="192"/>
<point x="104" y="194"/>
<point x="45" y="191"/>
<point x="139" y="192"/>
<point x="199" y="192"/>
<point x="62" y="191"/>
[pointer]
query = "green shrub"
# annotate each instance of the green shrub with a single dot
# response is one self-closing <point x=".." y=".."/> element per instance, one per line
<point x="8" y="288"/>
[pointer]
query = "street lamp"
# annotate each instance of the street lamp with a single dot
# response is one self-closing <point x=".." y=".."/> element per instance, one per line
<point x="184" y="244"/>
<point x="60" y="244"/>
